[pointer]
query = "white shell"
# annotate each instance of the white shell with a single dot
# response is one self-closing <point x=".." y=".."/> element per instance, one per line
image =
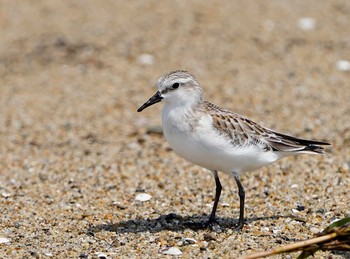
<point x="143" y="197"/>
<point x="343" y="65"/>
<point x="306" y="23"/>
<point x="4" y="240"/>
<point x="170" y="251"/>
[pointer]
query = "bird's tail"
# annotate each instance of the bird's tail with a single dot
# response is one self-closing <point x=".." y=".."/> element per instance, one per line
<point x="314" y="149"/>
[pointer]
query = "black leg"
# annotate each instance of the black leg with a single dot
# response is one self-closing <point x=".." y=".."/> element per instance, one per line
<point x="217" y="197"/>
<point x="241" y="193"/>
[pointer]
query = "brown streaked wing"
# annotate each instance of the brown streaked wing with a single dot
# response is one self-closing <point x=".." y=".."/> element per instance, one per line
<point x="242" y="131"/>
<point x="238" y="129"/>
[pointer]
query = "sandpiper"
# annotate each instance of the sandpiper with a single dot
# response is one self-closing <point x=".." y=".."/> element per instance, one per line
<point x="217" y="139"/>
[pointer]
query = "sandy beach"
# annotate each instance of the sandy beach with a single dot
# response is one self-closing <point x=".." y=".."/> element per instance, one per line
<point x="75" y="155"/>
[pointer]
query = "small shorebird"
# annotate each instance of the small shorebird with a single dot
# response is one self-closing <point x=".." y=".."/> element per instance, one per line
<point x="218" y="139"/>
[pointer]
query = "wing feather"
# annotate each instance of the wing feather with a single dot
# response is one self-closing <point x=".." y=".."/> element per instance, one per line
<point x="244" y="132"/>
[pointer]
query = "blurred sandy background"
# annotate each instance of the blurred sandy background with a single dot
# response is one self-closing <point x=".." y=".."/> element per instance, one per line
<point x="75" y="153"/>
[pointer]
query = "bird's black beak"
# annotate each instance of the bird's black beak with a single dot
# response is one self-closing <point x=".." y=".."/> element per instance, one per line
<point x="154" y="99"/>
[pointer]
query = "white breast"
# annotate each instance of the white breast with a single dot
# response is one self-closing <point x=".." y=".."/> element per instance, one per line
<point x="196" y="140"/>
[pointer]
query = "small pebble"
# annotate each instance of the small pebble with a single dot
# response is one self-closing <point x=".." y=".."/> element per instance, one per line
<point x="344" y="168"/>
<point x="143" y="197"/>
<point x="295" y="211"/>
<point x="294" y="186"/>
<point x="328" y="213"/>
<point x="133" y="145"/>
<point x="209" y="237"/>
<point x="300" y="207"/>
<point x="101" y="255"/>
<point x="314" y="230"/>
<point x="343" y="65"/>
<point x="266" y="229"/>
<point x="211" y="245"/>
<point x="204" y="246"/>
<point x="6" y="194"/>
<point x="276" y="230"/>
<point x="170" y="250"/>
<point x="4" y="240"/>
<point x="321" y="210"/>
<point x="119" y="205"/>
<point x="224" y="204"/>
<point x="155" y="130"/>
<point x="190" y="241"/>
<point x="146" y="59"/>
<point x="307" y="23"/>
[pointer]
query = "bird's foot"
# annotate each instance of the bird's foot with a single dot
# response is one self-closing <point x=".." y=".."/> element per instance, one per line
<point x="239" y="226"/>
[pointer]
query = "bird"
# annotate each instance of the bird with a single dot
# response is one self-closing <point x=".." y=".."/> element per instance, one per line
<point x="218" y="139"/>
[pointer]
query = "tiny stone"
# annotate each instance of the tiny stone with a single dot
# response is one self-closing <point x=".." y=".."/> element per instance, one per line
<point x="101" y="255"/>
<point x="290" y="226"/>
<point x="295" y="211"/>
<point x="343" y="65"/>
<point x="306" y="23"/>
<point x="205" y="245"/>
<point x="300" y="207"/>
<point x="133" y="145"/>
<point x="154" y="130"/>
<point x="208" y="237"/>
<point x="119" y="205"/>
<point x="314" y="230"/>
<point x="146" y="59"/>
<point x="170" y="251"/>
<point x="294" y="186"/>
<point x="276" y="230"/>
<point x="211" y="245"/>
<point x="288" y="220"/>
<point x="224" y="204"/>
<point x="266" y="229"/>
<point x="5" y="194"/>
<point x="34" y="254"/>
<point x="299" y="219"/>
<point x="4" y="240"/>
<point x="143" y="197"/>
<point x="344" y="168"/>
<point x="188" y="240"/>
<point x="216" y="228"/>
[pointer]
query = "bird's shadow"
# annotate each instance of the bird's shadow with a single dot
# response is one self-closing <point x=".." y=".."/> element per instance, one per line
<point x="172" y="222"/>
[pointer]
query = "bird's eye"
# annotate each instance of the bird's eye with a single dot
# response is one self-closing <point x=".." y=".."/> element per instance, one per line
<point x="175" y="85"/>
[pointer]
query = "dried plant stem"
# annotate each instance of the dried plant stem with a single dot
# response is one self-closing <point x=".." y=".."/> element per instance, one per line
<point x="291" y="247"/>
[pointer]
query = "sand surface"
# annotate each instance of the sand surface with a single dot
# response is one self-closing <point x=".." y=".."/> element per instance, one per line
<point x="74" y="153"/>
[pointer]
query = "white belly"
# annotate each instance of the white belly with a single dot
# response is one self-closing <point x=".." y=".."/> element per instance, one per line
<point x="203" y="146"/>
